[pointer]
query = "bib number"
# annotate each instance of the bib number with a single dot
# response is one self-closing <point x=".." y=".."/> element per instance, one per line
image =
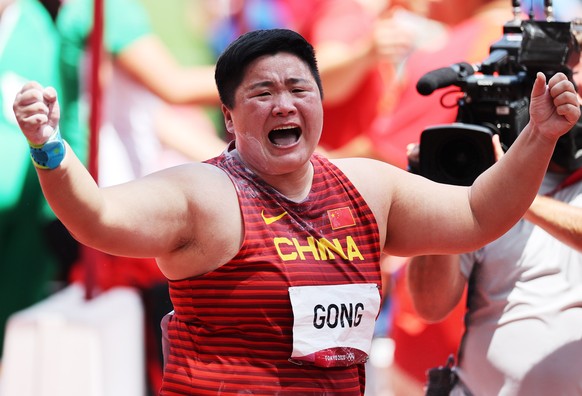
<point x="333" y="325"/>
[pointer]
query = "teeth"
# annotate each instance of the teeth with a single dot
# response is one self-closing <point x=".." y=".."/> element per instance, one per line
<point x="284" y="127"/>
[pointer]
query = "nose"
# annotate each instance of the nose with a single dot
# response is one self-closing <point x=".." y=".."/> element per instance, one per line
<point x="284" y="105"/>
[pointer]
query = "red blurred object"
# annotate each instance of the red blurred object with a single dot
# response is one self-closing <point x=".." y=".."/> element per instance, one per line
<point x="89" y="255"/>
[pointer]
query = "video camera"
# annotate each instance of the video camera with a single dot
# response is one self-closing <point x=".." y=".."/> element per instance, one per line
<point x="495" y="98"/>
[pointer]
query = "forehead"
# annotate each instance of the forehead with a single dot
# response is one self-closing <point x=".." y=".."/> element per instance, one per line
<point x="279" y="66"/>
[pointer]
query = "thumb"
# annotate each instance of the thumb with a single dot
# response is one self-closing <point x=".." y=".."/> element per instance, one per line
<point x="539" y="87"/>
<point x="50" y="98"/>
<point x="48" y="129"/>
<point x="497" y="148"/>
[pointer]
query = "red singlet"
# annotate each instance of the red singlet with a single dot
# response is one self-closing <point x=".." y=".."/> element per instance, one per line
<point x="232" y="328"/>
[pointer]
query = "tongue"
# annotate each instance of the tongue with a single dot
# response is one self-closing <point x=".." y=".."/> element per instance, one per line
<point x="283" y="137"/>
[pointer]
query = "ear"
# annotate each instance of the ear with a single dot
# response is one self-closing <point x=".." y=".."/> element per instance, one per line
<point x="228" y="122"/>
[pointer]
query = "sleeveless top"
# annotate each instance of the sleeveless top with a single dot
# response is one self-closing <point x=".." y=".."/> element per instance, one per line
<point x="232" y="329"/>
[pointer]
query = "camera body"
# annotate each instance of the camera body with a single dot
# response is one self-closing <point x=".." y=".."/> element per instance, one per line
<point x="495" y="100"/>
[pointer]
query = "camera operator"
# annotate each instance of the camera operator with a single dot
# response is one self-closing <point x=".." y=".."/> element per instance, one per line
<point x="524" y="306"/>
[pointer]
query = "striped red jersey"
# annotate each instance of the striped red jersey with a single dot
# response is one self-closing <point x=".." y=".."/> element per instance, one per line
<point x="231" y="332"/>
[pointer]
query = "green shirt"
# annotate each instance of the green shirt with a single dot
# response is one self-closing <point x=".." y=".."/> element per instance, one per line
<point x="28" y="51"/>
<point x="125" y="21"/>
<point x="28" y="48"/>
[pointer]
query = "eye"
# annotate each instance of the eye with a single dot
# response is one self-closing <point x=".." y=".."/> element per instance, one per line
<point x="255" y="93"/>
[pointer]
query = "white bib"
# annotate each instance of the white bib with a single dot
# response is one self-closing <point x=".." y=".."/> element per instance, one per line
<point x="333" y="325"/>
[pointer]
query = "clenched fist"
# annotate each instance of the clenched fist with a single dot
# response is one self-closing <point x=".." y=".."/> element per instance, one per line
<point x="37" y="112"/>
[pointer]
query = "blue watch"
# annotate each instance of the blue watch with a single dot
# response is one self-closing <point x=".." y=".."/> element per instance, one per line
<point x="50" y="154"/>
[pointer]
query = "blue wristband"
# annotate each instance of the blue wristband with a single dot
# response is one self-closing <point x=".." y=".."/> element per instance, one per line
<point x="50" y="154"/>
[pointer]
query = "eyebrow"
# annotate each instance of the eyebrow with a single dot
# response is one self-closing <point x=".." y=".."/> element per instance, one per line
<point x="268" y="83"/>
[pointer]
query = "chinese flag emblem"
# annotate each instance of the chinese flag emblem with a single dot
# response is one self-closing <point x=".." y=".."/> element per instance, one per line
<point x="340" y="218"/>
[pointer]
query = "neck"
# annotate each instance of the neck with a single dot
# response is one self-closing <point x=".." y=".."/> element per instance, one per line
<point x="294" y="186"/>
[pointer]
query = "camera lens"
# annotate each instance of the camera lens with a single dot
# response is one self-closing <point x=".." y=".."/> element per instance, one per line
<point x="456" y="153"/>
<point x="461" y="159"/>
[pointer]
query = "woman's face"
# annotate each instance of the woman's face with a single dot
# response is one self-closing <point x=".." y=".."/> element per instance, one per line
<point x="278" y="116"/>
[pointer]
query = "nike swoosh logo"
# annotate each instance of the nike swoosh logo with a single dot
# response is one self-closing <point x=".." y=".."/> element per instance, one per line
<point x="271" y="219"/>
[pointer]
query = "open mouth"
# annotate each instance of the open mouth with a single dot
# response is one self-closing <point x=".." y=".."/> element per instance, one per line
<point x="285" y="136"/>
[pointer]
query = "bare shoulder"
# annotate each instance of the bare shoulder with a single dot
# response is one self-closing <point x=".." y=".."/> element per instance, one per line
<point x="212" y="223"/>
<point x="195" y="172"/>
<point x="371" y="177"/>
<point x="375" y="181"/>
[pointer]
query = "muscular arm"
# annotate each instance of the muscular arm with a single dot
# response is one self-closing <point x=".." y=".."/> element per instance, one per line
<point x="140" y="219"/>
<point x="164" y="215"/>
<point x="436" y="285"/>
<point x="431" y="218"/>
<point x="562" y="221"/>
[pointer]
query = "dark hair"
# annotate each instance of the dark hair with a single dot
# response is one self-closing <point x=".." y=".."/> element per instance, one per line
<point x="231" y="65"/>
